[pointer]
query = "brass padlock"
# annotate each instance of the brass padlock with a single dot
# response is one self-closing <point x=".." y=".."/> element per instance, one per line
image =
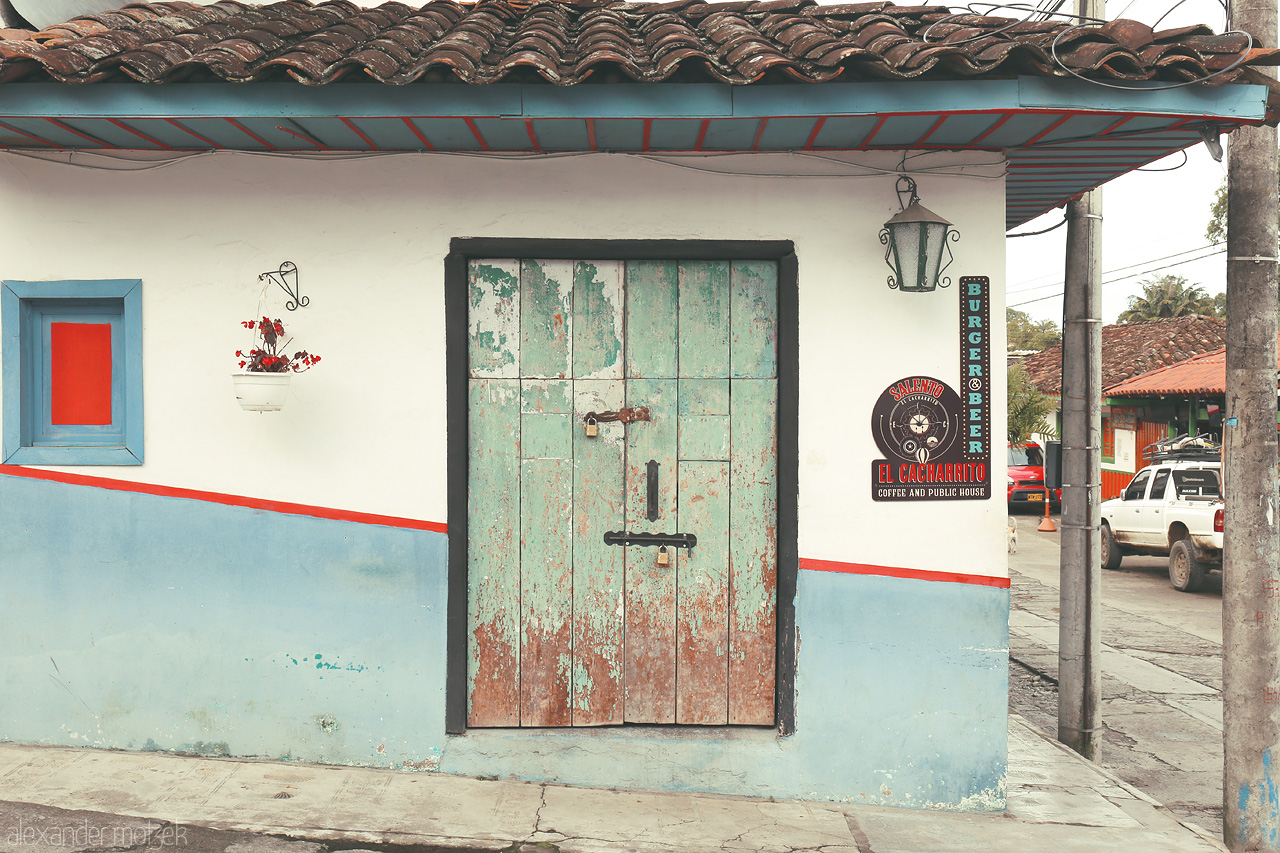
<point x="664" y="557"/>
<point x="593" y="428"/>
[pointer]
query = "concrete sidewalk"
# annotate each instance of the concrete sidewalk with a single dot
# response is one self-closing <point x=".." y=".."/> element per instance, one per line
<point x="1057" y="801"/>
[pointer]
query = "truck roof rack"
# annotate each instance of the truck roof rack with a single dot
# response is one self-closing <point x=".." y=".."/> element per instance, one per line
<point x="1183" y="448"/>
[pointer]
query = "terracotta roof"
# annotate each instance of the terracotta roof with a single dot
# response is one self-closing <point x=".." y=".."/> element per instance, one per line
<point x="570" y="42"/>
<point x="1133" y="349"/>
<point x="1203" y="375"/>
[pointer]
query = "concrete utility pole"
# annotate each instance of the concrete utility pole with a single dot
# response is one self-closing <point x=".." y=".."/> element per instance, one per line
<point x="1079" y="605"/>
<point x="1250" y="585"/>
<point x="1079" y="602"/>
<point x="1080" y="596"/>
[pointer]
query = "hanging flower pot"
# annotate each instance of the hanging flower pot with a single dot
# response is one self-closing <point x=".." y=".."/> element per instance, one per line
<point x="263" y="383"/>
<point x="261" y="392"/>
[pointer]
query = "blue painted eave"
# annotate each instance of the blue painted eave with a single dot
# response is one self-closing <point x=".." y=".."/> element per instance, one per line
<point x="1241" y="102"/>
<point x="1062" y="137"/>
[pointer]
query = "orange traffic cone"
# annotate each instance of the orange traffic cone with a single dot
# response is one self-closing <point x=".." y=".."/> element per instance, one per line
<point x="1047" y="525"/>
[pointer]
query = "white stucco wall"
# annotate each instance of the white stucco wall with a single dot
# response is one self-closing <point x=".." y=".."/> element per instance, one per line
<point x="365" y="431"/>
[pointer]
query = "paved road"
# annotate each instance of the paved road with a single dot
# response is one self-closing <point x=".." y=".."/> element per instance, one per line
<point x="1162" y="672"/>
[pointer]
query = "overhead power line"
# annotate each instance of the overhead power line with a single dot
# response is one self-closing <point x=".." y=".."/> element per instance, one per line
<point x="1120" y="269"/>
<point x="1128" y="276"/>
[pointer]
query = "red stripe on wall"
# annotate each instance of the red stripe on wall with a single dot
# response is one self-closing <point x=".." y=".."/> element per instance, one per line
<point x="226" y="500"/>
<point x="80" y="368"/>
<point x="893" y="572"/>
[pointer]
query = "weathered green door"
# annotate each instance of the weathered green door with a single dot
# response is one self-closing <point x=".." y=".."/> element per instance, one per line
<point x="564" y="629"/>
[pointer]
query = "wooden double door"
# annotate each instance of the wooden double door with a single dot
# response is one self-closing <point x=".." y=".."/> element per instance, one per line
<point x="564" y="628"/>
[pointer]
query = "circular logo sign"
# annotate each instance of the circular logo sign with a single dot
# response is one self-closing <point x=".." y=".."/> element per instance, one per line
<point x="916" y="419"/>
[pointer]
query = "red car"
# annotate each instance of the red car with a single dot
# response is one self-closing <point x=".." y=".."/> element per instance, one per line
<point x="1026" y="477"/>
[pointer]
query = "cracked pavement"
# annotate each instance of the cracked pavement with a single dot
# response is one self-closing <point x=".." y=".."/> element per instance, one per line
<point x="1161" y="673"/>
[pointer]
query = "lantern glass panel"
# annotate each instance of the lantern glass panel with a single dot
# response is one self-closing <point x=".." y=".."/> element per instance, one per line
<point x="935" y="245"/>
<point x="906" y="245"/>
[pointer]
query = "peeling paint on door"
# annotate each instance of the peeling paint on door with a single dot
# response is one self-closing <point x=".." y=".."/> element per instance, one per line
<point x="565" y="629"/>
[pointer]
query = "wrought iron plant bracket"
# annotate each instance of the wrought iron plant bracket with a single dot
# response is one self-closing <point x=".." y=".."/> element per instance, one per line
<point x="287" y="279"/>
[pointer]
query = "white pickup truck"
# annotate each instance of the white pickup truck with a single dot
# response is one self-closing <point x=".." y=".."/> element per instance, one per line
<point x="1171" y="507"/>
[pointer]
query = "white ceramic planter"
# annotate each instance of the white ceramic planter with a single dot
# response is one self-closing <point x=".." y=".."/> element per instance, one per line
<point x="261" y="392"/>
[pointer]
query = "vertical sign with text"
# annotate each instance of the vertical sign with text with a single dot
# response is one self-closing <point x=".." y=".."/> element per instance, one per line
<point x="937" y="442"/>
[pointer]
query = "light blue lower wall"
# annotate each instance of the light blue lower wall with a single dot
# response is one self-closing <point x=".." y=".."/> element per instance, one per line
<point x="142" y="622"/>
<point x="135" y="621"/>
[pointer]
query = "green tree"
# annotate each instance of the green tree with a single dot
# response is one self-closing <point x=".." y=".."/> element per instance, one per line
<point x="1169" y="296"/>
<point x="1029" y="409"/>
<point x="1216" y="230"/>
<point x="1027" y="334"/>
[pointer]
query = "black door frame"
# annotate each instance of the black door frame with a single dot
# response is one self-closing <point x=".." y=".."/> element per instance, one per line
<point x="464" y="249"/>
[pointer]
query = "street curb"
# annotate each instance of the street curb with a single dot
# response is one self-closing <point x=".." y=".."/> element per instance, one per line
<point x="1112" y="777"/>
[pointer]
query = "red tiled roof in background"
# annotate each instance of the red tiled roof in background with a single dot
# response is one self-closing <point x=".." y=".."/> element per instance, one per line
<point x="600" y="41"/>
<point x="1204" y="375"/>
<point x="1134" y="349"/>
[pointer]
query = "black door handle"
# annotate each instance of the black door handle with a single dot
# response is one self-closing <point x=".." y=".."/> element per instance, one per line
<point x="653" y="489"/>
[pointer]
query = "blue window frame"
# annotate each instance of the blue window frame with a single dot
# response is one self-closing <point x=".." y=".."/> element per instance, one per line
<point x="32" y="315"/>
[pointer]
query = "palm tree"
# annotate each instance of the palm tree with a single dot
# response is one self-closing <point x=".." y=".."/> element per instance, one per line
<point x="1168" y="296"/>
<point x="1029" y="410"/>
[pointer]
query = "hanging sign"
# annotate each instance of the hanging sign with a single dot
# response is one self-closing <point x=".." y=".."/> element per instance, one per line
<point x="936" y="441"/>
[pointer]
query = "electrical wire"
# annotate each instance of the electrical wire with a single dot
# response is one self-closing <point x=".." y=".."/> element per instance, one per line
<point x="1122" y="278"/>
<point x="1053" y="51"/>
<point x="147" y="165"/>
<point x="674" y="160"/>
<point x="1053" y="227"/>
<point x="1185" y="160"/>
<point x="1132" y="266"/>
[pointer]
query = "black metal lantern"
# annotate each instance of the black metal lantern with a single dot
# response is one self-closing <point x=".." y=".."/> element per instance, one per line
<point x="915" y="241"/>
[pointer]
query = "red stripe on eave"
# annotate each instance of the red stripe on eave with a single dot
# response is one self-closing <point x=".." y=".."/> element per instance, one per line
<point x="48" y="142"/>
<point x="533" y="137"/>
<point x="69" y="129"/>
<point x="1111" y="127"/>
<point x="755" y="143"/>
<point x="255" y="136"/>
<point x="813" y="136"/>
<point x="990" y="130"/>
<point x="1048" y="130"/>
<point x="282" y="507"/>
<point x="874" y="131"/>
<point x="702" y="134"/>
<point x="937" y="124"/>
<point x="360" y="133"/>
<point x="193" y="133"/>
<point x="317" y="143"/>
<point x="139" y="134"/>
<point x="475" y="131"/>
<point x="894" y="572"/>
<point x="418" y="133"/>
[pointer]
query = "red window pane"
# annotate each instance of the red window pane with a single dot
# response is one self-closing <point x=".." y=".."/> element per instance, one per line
<point x="80" y="383"/>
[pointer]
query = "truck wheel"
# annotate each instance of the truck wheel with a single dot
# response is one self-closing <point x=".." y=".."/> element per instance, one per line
<point x="1111" y="555"/>
<point x="1186" y="573"/>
